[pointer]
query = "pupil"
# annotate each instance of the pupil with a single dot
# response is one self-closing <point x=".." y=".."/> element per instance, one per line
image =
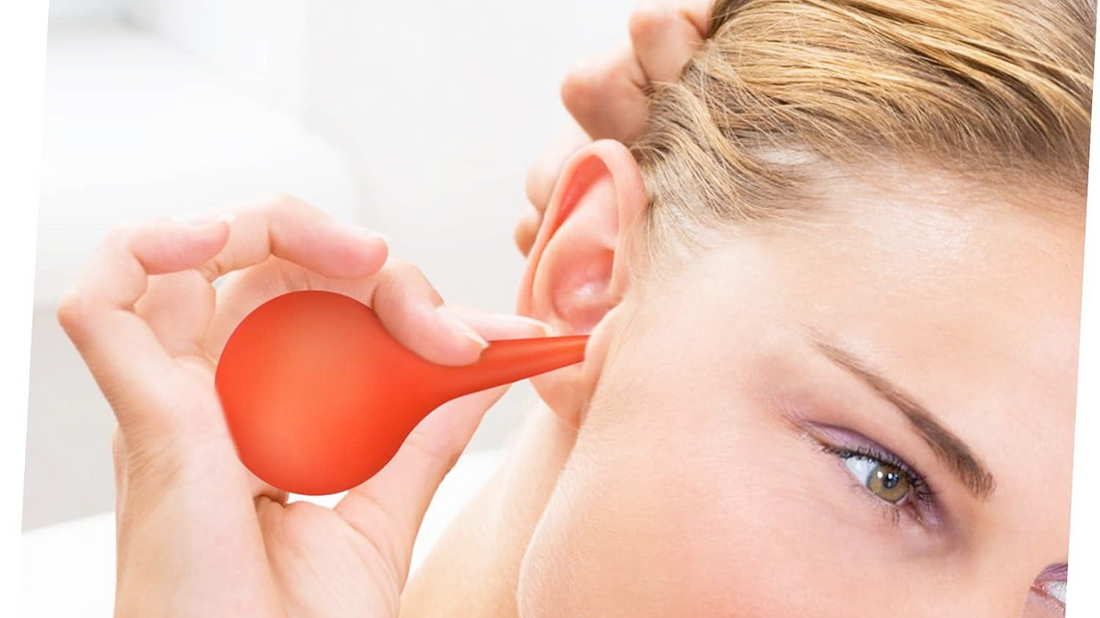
<point x="890" y="480"/>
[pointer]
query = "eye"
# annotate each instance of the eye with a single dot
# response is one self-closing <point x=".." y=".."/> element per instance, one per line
<point x="886" y="481"/>
<point x="892" y="484"/>
<point x="1055" y="590"/>
<point x="1051" y="583"/>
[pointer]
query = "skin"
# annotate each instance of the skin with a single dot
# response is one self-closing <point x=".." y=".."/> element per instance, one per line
<point x="198" y="535"/>
<point x="691" y="476"/>
<point x="607" y="97"/>
<point x="619" y="499"/>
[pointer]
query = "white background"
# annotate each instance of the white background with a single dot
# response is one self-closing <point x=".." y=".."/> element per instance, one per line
<point x="22" y="51"/>
<point x="418" y="119"/>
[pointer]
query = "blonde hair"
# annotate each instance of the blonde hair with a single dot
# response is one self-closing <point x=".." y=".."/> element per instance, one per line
<point x="978" y="87"/>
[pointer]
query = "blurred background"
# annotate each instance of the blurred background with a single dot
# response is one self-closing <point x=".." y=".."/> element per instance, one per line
<point x="418" y="119"/>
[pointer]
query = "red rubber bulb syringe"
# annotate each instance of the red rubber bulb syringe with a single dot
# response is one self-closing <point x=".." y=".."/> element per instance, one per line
<point x="319" y="397"/>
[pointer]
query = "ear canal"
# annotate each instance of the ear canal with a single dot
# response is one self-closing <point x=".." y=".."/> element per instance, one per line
<point x="581" y="297"/>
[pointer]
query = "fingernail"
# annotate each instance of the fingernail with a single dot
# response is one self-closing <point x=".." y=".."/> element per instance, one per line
<point x="461" y="327"/>
<point x="522" y="320"/>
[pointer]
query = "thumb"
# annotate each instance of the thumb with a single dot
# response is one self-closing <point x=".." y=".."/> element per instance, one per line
<point x="389" y="508"/>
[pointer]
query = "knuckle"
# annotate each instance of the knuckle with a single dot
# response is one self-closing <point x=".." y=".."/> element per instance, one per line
<point x="120" y="234"/>
<point x="404" y="270"/>
<point x="288" y="200"/>
<point x="288" y="203"/>
<point x="436" y="454"/>
<point x="121" y="237"/>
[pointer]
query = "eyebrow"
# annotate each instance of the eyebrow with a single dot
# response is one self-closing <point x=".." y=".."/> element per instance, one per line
<point x="948" y="447"/>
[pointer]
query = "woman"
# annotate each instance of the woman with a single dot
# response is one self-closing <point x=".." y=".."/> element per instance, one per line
<point x="833" y="292"/>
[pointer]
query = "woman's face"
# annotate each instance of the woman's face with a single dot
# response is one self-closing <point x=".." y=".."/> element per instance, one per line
<point x="867" y="413"/>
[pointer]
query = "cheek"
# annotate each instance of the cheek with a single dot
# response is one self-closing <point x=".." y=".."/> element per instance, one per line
<point x="659" y="514"/>
<point x="669" y="508"/>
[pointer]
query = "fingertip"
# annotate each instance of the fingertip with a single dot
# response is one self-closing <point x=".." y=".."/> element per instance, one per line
<point x="351" y="251"/>
<point x="498" y="326"/>
<point x="575" y="91"/>
<point x="540" y="183"/>
<point x="580" y="91"/>
<point x="213" y="237"/>
<point x="648" y="19"/>
<point x="465" y="334"/>
<point x="177" y="246"/>
<point x="699" y="15"/>
<point x="508" y="326"/>
<point x="436" y="334"/>
<point x="527" y="230"/>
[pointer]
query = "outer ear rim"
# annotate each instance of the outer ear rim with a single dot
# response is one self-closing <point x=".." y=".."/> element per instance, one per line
<point x="629" y="191"/>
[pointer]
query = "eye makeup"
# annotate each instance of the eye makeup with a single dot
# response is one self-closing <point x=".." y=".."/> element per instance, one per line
<point x="1051" y="583"/>
<point x="894" y="485"/>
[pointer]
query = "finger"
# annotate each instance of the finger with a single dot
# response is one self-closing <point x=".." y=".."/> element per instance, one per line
<point x="178" y="308"/>
<point x="242" y="291"/>
<point x="122" y="352"/>
<point x="290" y="229"/>
<point x="258" y="487"/>
<point x="699" y="13"/>
<point x="664" y="38"/>
<point x="607" y="97"/>
<point x="413" y="312"/>
<point x="543" y="175"/>
<point x="498" y="326"/>
<point x="527" y="229"/>
<point x="397" y="497"/>
<point x="389" y="508"/>
<point x="400" y="295"/>
<point x="118" y="458"/>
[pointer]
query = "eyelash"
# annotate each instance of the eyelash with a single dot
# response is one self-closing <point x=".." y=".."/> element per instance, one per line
<point x="921" y="502"/>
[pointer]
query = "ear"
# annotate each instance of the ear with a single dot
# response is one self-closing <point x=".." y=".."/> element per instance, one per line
<point x="577" y="271"/>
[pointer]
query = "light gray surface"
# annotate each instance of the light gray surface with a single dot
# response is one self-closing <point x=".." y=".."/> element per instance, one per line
<point x="68" y="469"/>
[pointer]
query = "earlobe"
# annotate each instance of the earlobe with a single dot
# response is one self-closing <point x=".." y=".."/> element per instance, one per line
<point x="577" y="271"/>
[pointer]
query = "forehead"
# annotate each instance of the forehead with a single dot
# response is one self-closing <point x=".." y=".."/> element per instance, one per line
<point x="969" y="302"/>
<point x="955" y="261"/>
